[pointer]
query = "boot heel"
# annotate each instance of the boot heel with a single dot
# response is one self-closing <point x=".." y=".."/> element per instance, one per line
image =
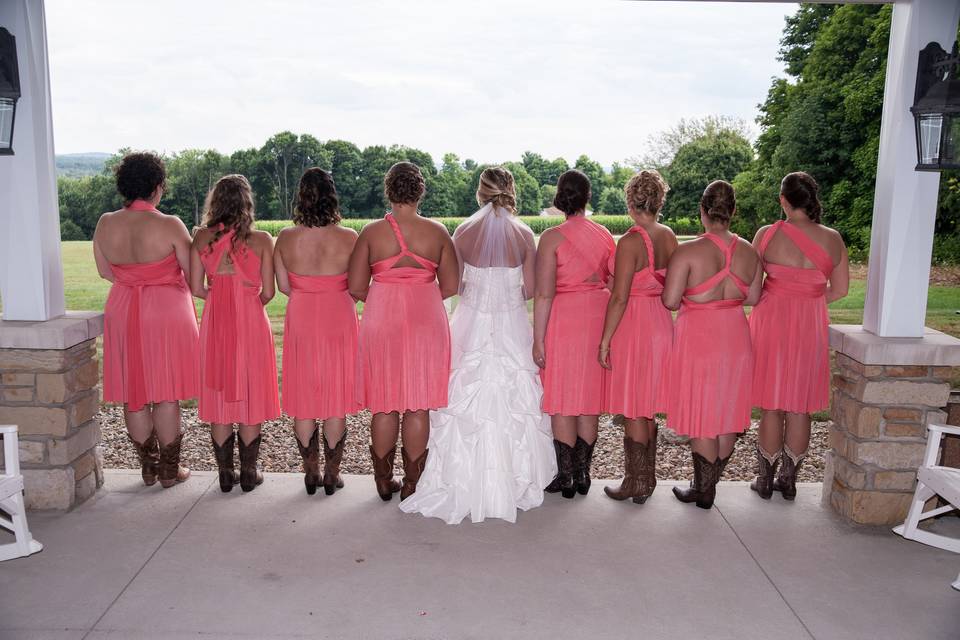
<point x="568" y="493"/>
<point x="226" y="481"/>
<point x="639" y="499"/>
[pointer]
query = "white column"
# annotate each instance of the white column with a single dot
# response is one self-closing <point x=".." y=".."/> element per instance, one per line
<point x="905" y="201"/>
<point x="31" y="274"/>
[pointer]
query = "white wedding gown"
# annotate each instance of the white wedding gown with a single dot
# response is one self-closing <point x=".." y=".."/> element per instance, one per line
<point x="491" y="448"/>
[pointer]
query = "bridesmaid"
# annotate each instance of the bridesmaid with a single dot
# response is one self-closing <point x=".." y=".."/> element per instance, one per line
<point x="150" y="325"/>
<point x="638" y="334"/>
<point x="404" y="335"/>
<point x="806" y="267"/>
<point x="231" y="267"/>
<point x="568" y="311"/>
<point x="710" y="279"/>
<point x="319" y="379"/>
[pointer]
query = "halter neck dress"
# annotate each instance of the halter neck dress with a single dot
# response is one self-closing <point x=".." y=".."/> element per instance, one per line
<point x="404" y="335"/>
<point x="640" y="349"/>
<point x="573" y="380"/>
<point x="711" y="364"/>
<point x="238" y="361"/>
<point x="320" y="348"/>
<point x="789" y="327"/>
<point x="150" y="335"/>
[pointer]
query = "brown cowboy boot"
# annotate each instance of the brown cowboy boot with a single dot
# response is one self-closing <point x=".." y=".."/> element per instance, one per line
<point x="583" y="456"/>
<point x="651" y="462"/>
<point x="311" y="462"/>
<point x="149" y="454"/>
<point x="383" y="474"/>
<point x="170" y="470"/>
<point x="228" y="475"/>
<point x="412" y="469"/>
<point x="563" y="482"/>
<point x="635" y="480"/>
<point x="703" y="487"/>
<point x="331" y="465"/>
<point x="786" y="480"/>
<point x="250" y="474"/>
<point x="766" y="468"/>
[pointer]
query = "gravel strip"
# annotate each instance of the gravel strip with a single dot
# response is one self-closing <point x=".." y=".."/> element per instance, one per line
<point x="278" y="450"/>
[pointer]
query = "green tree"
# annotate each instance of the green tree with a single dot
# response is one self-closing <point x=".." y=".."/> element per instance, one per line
<point x="715" y="156"/>
<point x="613" y="201"/>
<point x="528" y="190"/>
<point x="286" y="156"/>
<point x="190" y="175"/>
<point x="594" y="171"/>
<point x="346" y="165"/>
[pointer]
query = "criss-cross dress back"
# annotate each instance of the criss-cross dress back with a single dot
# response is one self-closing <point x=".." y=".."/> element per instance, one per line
<point x="716" y="279"/>
<point x="386" y="270"/>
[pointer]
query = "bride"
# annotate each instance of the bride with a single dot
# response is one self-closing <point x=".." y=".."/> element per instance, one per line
<point x="491" y="449"/>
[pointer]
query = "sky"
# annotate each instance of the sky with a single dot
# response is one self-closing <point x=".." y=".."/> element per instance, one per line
<point x="484" y="80"/>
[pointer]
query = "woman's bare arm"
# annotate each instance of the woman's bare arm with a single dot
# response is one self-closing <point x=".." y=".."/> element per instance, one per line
<point x="198" y="285"/>
<point x="103" y="265"/>
<point x="530" y="267"/>
<point x="546" y="289"/>
<point x="448" y="271"/>
<point x="625" y="267"/>
<point x="283" y="281"/>
<point x="268" y="285"/>
<point x="358" y="272"/>
<point x="181" y="245"/>
<point x="678" y="271"/>
<point x="839" y="283"/>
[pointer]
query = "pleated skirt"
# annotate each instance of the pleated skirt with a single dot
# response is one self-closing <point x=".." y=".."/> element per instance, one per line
<point x="639" y="355"/>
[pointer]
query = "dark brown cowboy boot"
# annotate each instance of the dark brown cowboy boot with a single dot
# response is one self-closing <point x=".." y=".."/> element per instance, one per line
<point x="383" y="474"/>
<point x="766" y="468"/>
<point x="635" y="482"/>
<point x="412" y="469"/>
<point x="583" y="457"/>
<point x="786" y="480"/>
<point x="250" y="474"/>
<point x="228" y="475"/>
<point x="563" y="482"/>
<point x="703" y="487"/>
<point x="311" y="462"/>
<point x="149" y="454"/>
<point x="170" y="471"/>
<point x="331" y="465"/>
<point x="651" y="462"/>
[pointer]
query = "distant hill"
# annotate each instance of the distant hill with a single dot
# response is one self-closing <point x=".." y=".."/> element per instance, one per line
<point x="76" y="165"/>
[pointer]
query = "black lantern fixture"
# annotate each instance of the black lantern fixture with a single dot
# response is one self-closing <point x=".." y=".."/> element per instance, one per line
<point x="936" y="109"/>
<point x="9" y="90"/>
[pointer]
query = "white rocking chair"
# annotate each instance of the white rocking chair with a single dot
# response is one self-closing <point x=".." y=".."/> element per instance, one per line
<point x="934" y="480"/>
<point x="13" y="516"/>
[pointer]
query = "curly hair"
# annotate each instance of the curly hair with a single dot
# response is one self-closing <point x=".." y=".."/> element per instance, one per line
<point x="138" y="175"/>
<point x="317" y="203"/>
<point x="573" y="192"/>
<point x="719" y="201"/>
<point x="646" y="191"/>
<point x="404" y="183"/>
<point x="230" y="204"/>
<point x="497" y="186"/>
<point x="802" y="192"/>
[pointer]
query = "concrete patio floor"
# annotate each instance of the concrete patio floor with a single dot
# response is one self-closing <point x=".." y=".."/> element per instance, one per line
<point x="190" y="562"/>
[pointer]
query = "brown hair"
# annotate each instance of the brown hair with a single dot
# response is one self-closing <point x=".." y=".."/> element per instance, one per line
<point x="573" y="192"/>
<point x="497" y="187"/>
<point x="718" y="201"/>
<point x="317" y="203"/>
<point x="404" y="183"/>
<point x="646" y="191"/>
<point x="230" y="203"/>
<point x="138" y="175"/>
<point x="802" y="192"/>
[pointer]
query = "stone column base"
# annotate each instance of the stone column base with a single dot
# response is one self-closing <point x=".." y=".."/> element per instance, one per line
<point x="49" y="376"/>
<point x="887" y="391"/>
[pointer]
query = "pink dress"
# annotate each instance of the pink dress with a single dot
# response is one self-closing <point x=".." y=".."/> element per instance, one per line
<point x="711" y="365"/>
<point x="320" y="348"/>
<point x="640" y="349"/>
<point x="238" y="361"/>
<point x="150" y="335"/>
<point x="789" y="327"/>
<point x="573" y="380"/>
<point x="404" y="336"/>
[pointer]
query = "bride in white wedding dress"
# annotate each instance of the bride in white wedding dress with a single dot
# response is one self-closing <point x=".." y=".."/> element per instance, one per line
<point x="491" y="449"/>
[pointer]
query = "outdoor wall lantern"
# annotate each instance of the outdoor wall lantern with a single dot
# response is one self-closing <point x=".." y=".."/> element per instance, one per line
<point x="9" y="90"/>
<point x="936" y="109"/>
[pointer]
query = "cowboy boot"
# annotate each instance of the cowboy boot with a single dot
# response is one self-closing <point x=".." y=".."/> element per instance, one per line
<point x="149" y="454"/>
<point x="703" y="487"/>
<point x="786" y="480"/>
<point x="563" y="482"/>
<point x="583" y="454"/>
<point x="383" y="474"/>
<point x="412" y="470"/>
<point x="250" y="474"/>
<point x="331" y="465"/>
<point x="228" y="475"/>
<point x="311" y="462"/>
<point x="651" y="462"/>
<point x="170" y="471"/>
<point x="766" y="468"/>
<point x="635" y="480"/>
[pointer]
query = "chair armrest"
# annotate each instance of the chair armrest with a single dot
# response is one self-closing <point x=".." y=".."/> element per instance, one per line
<point x="944" y="428"/>
<point x="11" y="449"/>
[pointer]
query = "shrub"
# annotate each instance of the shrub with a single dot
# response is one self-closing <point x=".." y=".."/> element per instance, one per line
<point x="70" y="230"/>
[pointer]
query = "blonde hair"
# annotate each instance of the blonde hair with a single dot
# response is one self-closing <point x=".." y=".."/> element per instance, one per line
<point x="646" y="191"/>
<point x="497" y="187"/>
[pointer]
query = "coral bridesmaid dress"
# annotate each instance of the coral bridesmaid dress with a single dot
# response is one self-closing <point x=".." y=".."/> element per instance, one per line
<point x="404" y="336"/>
<point x="320" y="348"/>
<point x="150" y="335"/>
<point x="238" y="362"/>
<point x="640" y="349"/>
<point x="789" y="327"/>
<point x="573" y="380"/>
<point x="711" y="365"/>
